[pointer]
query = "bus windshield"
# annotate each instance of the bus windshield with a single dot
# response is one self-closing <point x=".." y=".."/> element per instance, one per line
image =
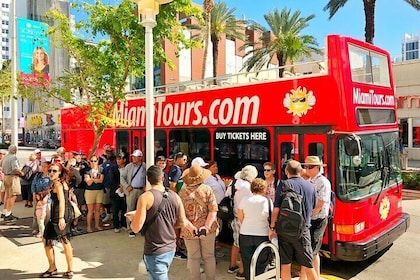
<point x="363" y="176"/>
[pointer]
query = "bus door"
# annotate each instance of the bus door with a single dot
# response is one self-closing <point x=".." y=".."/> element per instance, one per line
<point x="135" y="140"/>
<point x="298" y="142"/>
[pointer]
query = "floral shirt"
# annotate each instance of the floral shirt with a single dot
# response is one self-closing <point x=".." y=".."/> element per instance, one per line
<point x="198" y="203"/>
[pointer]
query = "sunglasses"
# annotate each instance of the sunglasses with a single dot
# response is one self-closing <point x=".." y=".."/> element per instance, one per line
<point x="53" y="170"/>
<point x="267" y="170"/>
<point x="309" y="166"/>
<point x="93" y="161"/>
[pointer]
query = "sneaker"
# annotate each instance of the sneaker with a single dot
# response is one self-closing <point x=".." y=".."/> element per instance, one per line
<point x="11" y="218"/>
<point x="131" y="234"/>
<point x="180" y="256"/>
<point x="106" y="218"/>
<point x="117" y="230"/>
<point x="124" y="228"/>
<point x="240" y="276"/>
<point x="233" y="269"/>
<point x="2" y="216"/>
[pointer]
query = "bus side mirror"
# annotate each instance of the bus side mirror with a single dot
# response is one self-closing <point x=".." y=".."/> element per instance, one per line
<point x="352" y="145"/>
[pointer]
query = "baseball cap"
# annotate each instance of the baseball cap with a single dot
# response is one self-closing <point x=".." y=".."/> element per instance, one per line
<point x="37" y="151"/>
<point x="137" y="153"/>
<point x="77" y="152"/>
<point x="200" y="161"/>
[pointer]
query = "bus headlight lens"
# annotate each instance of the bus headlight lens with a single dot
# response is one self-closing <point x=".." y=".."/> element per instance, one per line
<point x="350" y="229"/>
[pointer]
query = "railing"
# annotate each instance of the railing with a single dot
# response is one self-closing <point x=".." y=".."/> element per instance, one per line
<point x="295" y="71"/>
<point x="269" y="274"/>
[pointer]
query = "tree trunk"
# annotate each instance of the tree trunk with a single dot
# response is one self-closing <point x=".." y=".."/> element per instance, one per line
<point x="98" y="134"/>
<point x="369" y="6"/>
<point x="215" y="43"/>
<point x="208" y="8"/>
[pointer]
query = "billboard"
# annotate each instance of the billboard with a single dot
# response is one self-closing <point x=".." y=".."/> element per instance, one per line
<point x="34" y="51"/>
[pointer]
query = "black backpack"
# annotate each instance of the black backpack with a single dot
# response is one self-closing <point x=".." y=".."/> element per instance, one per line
<point x="291" y="219"/>
<point x="225" y="212"/>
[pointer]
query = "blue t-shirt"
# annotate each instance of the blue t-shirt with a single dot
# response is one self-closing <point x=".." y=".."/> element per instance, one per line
<point x="40" y="183"/>
<point x="304" y="188"/>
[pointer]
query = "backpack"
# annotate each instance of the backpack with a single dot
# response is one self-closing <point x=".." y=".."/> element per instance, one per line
<point x="291" y="219"/>
<point x="225" y="206"/>
<point x="27" y="173"/>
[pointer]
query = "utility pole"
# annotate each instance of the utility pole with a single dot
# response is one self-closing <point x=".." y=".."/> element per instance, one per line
<point x="13" y="99"/>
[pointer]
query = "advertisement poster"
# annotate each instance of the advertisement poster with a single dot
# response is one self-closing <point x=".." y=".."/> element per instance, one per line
<point x="34" y="51"/>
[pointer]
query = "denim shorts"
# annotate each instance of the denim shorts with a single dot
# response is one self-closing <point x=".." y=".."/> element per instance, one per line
<point x="158" y="265"/>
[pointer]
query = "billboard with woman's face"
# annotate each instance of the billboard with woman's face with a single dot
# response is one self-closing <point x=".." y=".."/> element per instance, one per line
<point x="33" y="51"/>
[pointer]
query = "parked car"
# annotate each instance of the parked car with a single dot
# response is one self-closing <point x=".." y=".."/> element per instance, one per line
<point x="49" y="144"/>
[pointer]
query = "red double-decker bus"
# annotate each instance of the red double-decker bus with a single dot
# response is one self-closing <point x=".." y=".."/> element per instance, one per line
<point x="342" y="109"/>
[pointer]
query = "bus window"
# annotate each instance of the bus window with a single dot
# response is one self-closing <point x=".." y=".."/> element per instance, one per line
<point x="235" y="148"/>
<point x="368" y="66"/>
<point x="192" y="142"/>
<point x="287" y="153"/>
<point x="122" y="141"/>
<point x="317" y="149"/>
<point x="362" y="176"/>
<point x="160" y="143"/>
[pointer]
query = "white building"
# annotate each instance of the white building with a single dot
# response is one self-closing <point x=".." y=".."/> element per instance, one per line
<point x="410" y="47"/>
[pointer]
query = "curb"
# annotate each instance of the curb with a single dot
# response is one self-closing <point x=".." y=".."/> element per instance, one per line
<point x="410" y="194"/>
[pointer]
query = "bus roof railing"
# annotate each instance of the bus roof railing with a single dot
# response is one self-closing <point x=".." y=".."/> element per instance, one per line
<point x="294" y="71"/>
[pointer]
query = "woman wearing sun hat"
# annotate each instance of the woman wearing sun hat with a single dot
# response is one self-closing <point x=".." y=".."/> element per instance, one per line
<point x="200" y="209"/>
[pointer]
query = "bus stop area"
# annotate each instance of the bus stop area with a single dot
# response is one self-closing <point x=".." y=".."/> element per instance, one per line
<point x="99" y="255"/>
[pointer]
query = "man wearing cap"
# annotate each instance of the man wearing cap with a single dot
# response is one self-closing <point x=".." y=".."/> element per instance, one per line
<point x="39" y="159"/>
<point x="108" y="149"/>
<point x="12" y="172"/>
<point x="133" y="180"/>
<point x="319" y="217"/>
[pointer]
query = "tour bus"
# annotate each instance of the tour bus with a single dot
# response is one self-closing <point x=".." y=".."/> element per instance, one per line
<point x="341" y="109"/>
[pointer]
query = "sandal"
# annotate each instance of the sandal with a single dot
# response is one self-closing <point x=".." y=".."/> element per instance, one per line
<point x="68" y="275"/>
<point x="48" y="273"/>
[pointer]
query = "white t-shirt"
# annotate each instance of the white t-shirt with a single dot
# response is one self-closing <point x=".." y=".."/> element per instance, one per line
<point x="256" y="213"/>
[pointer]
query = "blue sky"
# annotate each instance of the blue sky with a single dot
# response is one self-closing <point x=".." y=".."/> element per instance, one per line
<point x="393" y="18"/>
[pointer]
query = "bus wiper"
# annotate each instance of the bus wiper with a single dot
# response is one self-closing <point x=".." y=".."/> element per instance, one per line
<point x="385" y="172"/>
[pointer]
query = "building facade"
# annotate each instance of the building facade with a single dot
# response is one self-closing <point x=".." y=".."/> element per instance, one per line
<point x="407" y="84"/>
<point x="410" y="47"/>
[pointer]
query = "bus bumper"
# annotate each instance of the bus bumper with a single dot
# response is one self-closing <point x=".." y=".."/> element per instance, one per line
<point x="359" y="251"/>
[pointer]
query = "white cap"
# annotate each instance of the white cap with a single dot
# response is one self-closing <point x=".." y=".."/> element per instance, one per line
<point x="199" y="161"/>
<point x="137" y="153"/>
<point x="37" y="151"/>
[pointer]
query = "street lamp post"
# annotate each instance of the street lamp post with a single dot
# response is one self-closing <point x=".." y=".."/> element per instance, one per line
<point x="148" y="9"/>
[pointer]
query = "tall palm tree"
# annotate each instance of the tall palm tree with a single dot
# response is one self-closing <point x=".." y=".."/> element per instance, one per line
<point x="369" y="6"/>
<point x="224" y="22"/>
<point x="208" y="8"/>
<point x="282" y="40"/>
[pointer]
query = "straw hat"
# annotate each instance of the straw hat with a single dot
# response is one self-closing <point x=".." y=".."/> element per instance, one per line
<point x="313" y="160"/>
<point x="195" y="175"/>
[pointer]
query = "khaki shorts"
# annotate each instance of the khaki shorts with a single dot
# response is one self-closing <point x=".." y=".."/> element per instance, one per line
<point x="94" y="196"/>
<point x="1" y="186"/>
<point x="11" y="185"/>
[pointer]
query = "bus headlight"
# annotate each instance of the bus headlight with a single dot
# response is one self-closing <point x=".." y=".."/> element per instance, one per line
<point x="350" y="229"/>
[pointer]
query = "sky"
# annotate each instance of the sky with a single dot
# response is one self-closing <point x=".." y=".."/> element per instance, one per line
<point x="393" y="18"/>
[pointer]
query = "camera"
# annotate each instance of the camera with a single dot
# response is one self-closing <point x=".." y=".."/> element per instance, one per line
<point x="200" y="232"/>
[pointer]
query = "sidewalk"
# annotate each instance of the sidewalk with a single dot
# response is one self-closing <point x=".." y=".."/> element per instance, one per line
<point x="100" y="255"/>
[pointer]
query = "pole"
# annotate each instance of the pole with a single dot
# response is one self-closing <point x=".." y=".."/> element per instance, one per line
<point x="150" y="107"/>
<point x="13" y="100"/>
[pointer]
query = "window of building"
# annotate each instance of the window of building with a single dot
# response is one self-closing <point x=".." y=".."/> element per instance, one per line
<point x="5" y="40"/>
<point x="4" y="5"/>
<point x="5" y="48"/>
<point x="5" y="22"/>
<point x="5" y="31"/>
<point x="411" y="55"/>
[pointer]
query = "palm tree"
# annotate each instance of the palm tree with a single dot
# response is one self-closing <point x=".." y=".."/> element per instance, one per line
<point x="282" y="40"/>
<point x="369" y="6"/>
<point x="224" y="22"/>
<point x="208" y="8"/>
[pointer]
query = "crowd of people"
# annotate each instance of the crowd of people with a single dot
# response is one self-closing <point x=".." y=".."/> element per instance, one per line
<point x="177" y="216"/>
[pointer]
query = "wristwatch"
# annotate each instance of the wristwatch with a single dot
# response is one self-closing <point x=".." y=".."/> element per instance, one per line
<point x="272" y="228"/>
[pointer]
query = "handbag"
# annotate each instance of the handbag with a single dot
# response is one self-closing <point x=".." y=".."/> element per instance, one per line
<point x="225" y="206"/>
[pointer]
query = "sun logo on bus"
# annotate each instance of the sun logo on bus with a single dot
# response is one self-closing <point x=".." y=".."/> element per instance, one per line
<point x="299" y="101"/>
<point x="384" y="208"/>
